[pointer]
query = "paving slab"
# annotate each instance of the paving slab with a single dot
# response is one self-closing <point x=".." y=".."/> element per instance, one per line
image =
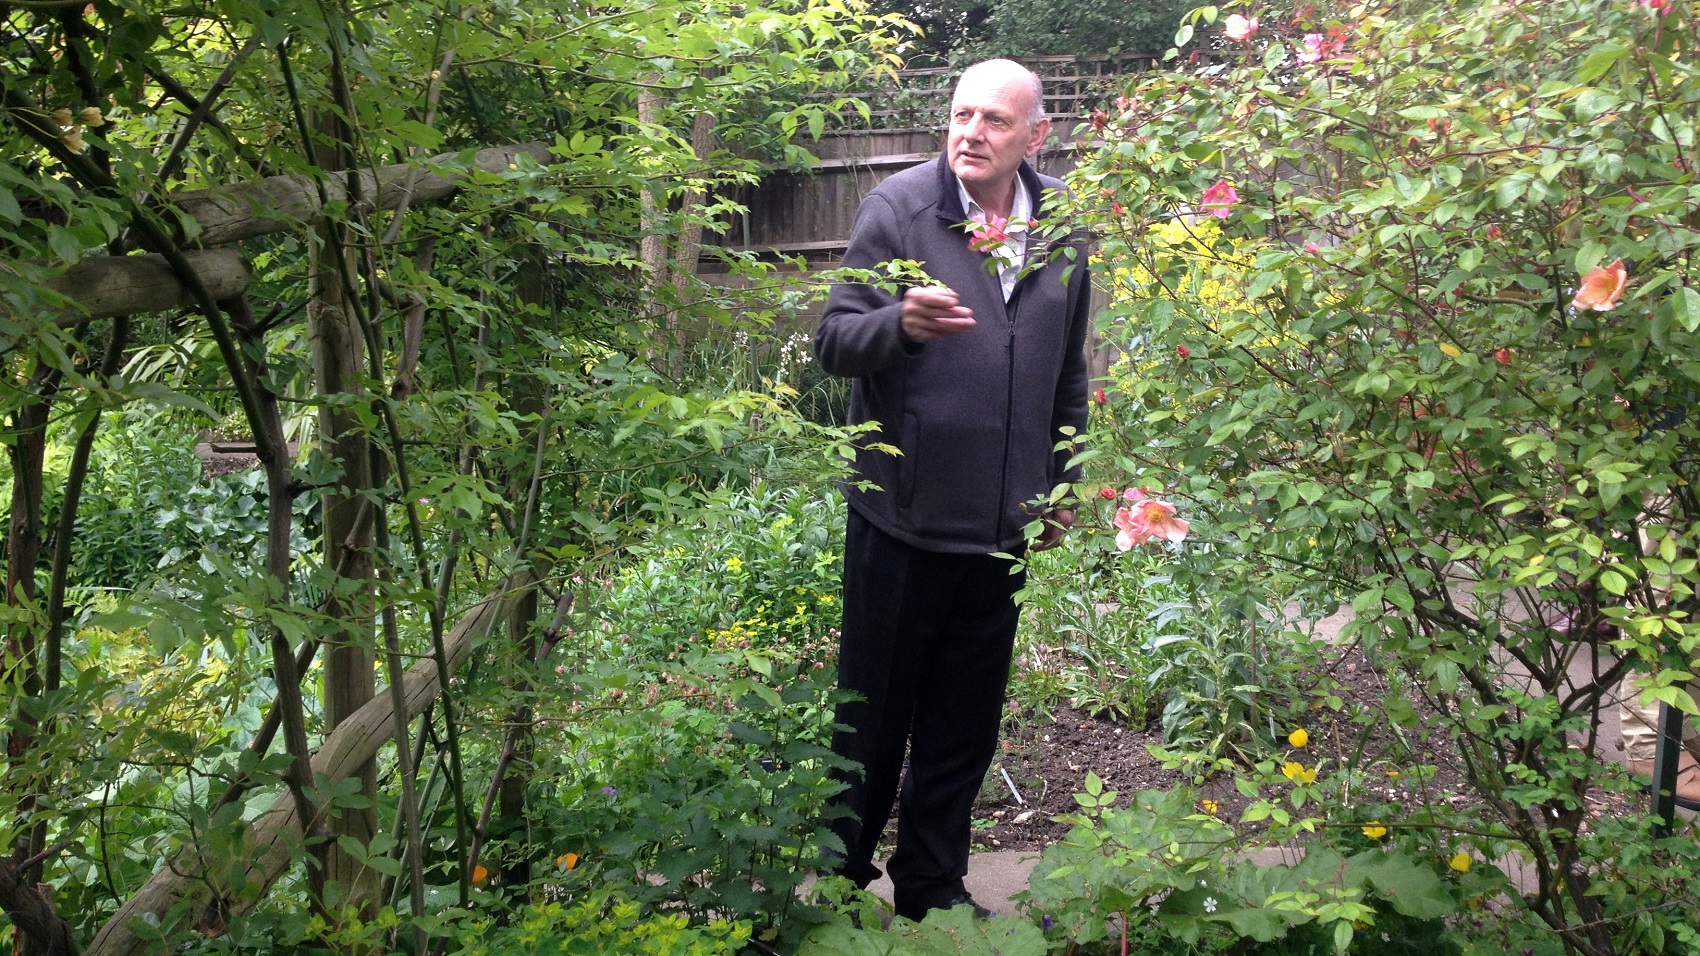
<point x="993" y="877"/>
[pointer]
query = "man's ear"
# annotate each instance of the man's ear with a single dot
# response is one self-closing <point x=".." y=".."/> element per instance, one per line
<point x="1041" y="130"/>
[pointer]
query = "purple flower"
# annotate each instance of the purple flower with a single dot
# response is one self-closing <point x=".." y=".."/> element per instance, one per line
<point x="1047" y="922"/>
<point x="611" y="791"/>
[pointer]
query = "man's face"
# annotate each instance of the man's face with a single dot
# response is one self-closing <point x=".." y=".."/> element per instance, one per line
<point x="989" y="129"/>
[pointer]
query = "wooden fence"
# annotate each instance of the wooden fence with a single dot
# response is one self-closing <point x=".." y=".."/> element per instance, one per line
<point x="810" y="214"/>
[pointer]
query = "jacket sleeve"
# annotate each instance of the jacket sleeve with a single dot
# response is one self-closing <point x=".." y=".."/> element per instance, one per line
<point x="1069" y="408"/>
<point x="861" y="330"/>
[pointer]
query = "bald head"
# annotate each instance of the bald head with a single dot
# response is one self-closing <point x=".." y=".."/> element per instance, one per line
<point x="997" y="119"/>
<point x="1000" y="72"/>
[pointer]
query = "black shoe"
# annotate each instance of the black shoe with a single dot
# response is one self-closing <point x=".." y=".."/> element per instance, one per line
<point x="980" y="912"/>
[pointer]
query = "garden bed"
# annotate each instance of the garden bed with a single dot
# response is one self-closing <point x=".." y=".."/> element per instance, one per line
<point x="1048" y="760"/>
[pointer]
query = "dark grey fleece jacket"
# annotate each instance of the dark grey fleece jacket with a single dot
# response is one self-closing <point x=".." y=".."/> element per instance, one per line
<point x="976" y="415"/>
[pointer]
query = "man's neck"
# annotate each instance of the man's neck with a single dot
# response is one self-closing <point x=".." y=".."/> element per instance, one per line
<point x="1002" y="204"/>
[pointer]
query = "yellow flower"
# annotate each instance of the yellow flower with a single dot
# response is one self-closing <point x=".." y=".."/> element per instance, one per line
<point x="734" y="564"/>
<point x="1460" y="861"/>
<point x="1375" y="830"/>
<point x="1296" y="772"/>
<point x="1210" y="806"/>
<point x="1298" y="738"/>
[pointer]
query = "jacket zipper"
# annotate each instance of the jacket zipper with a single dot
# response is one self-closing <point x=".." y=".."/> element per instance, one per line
<point x="1008" y="411"/>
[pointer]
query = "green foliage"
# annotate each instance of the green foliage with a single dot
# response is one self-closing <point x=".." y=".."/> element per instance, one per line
<point x="1367" y="377"/>
<point x="964" y="31"/>
<point x="530" y="403"/>
<point x="1171" y="873"/>
<point x="1084" y="634"/>
<point x="602" y="922"/>
<point x="682" y="753"/>
<point x="756" y="573"/>
<point x="712" y="786"/>
<point x="953" y="932"/>
<point x="1080" y="27"/>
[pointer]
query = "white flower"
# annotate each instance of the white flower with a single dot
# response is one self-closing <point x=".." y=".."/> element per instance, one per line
<point x="1210" y="904"/>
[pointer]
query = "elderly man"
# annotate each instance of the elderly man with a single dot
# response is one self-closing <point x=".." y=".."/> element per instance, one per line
<point x="976" y="378"/>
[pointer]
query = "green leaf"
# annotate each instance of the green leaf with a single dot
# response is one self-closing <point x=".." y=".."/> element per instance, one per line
<point x="64" y="244"/>
<point x="1687" y="304"/>
<point x="1413" y="889"/>
<point x="1598" y="62"/>
<point x="1589" y="255"/>
<point x="1614" y="582"/>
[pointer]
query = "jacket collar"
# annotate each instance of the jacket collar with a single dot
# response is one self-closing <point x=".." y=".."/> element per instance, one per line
<point x="950" y="196"/>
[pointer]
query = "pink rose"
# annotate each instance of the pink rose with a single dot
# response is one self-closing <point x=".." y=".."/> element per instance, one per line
<point x="1239" y="28"/>
<point x="1312" y="50"/>
<point x="1219" y="199"/>
<point x="1147" y="519"/>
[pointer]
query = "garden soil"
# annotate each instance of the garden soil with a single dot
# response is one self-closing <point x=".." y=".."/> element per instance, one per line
<point x="1047" y="758"/>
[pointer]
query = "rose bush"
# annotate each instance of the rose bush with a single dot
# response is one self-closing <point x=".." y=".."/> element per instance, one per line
<point x="1451" y="388"/>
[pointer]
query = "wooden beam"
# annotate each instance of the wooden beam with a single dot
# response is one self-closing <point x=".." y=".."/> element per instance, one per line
<point x="281" y="203"/>
<point x="106" y="286"/>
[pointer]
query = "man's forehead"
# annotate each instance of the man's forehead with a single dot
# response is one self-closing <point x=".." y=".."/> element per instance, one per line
<point x="990" y="91"/>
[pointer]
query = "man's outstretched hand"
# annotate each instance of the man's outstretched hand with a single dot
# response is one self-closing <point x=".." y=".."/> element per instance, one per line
<point x="932" y="311"/>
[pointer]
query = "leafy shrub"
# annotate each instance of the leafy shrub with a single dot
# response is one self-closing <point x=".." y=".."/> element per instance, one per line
<point x="1445" y="385"/>
<point x="603" y="923"/>
<point x="1083" y="635"/>
<point x="687" y="761"/>
<point x="758" y="572"/>
<point x="1165" y="871"/>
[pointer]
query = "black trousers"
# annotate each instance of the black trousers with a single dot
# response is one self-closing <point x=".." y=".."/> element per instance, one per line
<point x="926" y="641"/>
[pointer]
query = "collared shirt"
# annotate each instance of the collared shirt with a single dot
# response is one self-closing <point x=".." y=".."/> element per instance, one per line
<point x="1012" y="253"/>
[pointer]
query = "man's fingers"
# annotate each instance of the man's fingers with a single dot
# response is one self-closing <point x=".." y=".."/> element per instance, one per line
<point x="935" y="297"/>
<point x="925" y="329"/>
<point x="930" y="312"/>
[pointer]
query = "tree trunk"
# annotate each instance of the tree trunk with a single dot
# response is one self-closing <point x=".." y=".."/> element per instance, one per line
<point x="27" y="452"/>
<point x="526" y="392"/>
<point x="669" y="270"/>
<point x="340" y="379"/>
